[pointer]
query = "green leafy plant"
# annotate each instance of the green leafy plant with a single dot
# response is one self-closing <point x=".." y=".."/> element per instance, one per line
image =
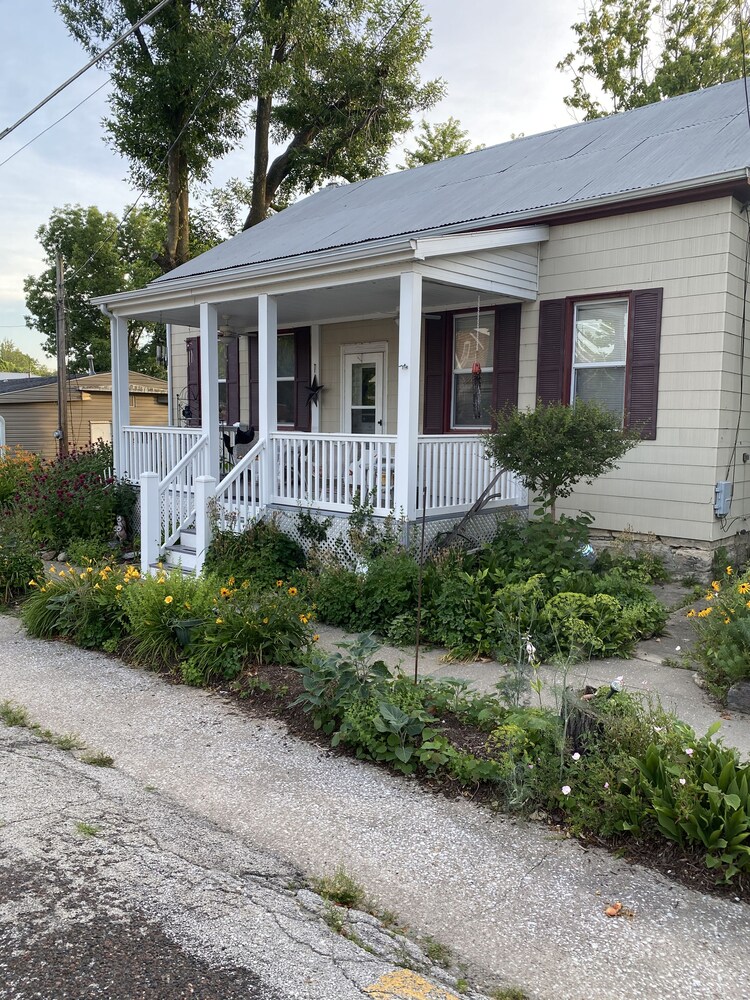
<point x="723" y="632"/>
<point x="262" y="554"/>
<point x="555" y="446"/>
<point x="19" y="563"/>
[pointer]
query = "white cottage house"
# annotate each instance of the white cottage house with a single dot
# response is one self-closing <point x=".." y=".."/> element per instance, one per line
<point x="606" y="260"/>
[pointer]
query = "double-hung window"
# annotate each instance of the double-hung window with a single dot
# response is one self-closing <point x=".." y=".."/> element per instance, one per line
<point x="473" y="349"/>
<point x="600" y="333"/>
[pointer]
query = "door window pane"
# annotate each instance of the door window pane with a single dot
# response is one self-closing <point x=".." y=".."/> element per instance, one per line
<point x="285" y="356"/>
<point x="285" y="402"/>
<point x="364" y="383"/>
<point x="363" y="421"/>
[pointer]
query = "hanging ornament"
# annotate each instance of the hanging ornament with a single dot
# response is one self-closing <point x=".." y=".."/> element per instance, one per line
<point x="314" y="389"/>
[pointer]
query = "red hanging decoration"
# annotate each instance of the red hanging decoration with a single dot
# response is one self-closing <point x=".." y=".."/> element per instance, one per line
<point x="476" y="389"/>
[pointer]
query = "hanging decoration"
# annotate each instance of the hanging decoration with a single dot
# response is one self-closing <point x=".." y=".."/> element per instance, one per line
<point x="314" y="389"/>
<point x="476" y="372"/>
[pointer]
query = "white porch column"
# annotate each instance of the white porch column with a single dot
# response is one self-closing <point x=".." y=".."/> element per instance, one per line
<point x="118" y="333"/>
<point x="409" y="343"/>
<point x="267" y="369"/>
<point x="209" y="340"/>
<point x="315" y="364"/>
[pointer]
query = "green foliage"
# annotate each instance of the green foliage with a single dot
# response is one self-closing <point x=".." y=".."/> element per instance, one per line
<point x="341" y="889"/>
<point x="584" y="627"/>
<point x="13" y="359"/>
<point x="262" y="554"/>
<point x="723" y="632"/>
<point x="124" y="260"/>
<point x="637" y="52"/>
<point x="16" y="469"/>
<point x="19" y="562"/>
<point x="86" y="551"/>
<point x="389" y="589"/>
<point x="438" y="142"/>
<point x="555" y="446"/>
<point x="523" y="547"/>
<point x="337" y="593"/>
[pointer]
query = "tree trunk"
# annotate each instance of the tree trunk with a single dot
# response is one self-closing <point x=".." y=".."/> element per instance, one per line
<point x="260" y="200"/>
<point x="177" y="244"/>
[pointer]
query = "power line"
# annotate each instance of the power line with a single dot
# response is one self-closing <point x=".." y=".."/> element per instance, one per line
<point x="92" y="62"/>
<point x="57" y="122"/>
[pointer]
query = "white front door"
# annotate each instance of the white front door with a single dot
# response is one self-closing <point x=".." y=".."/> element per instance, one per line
<point x="364" y="392"/>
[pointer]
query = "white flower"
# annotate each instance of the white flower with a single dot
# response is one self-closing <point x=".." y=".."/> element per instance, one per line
<point x="689" y="751"/>
<point x="657" y="729"/>
<point x="566" y="789"/>
<point x="683" y="781"/>
<point x="530" y="648"/>
<point x="576" y="756"/>
<point x="677" y="649"/>
<point x="606" y="784"/>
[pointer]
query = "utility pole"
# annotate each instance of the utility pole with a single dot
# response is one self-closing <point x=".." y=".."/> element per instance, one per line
<point x="62" y="374"/>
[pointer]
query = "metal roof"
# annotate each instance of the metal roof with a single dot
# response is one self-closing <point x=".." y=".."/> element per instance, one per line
<point x="675" y="143"/>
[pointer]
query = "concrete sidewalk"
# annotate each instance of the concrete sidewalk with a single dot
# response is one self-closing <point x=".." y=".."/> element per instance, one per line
<point x="514" y="900"/>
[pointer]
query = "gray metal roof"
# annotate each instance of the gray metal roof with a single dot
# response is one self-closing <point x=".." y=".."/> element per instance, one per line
<point x="675" y="142"/>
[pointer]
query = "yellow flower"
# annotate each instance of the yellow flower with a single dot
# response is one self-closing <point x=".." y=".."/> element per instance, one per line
<point x="33" y="583"/>
<point x="61" y="573"/>
<point x="219" y="621"/>
<point x="187" y="605"/>
<point x="727" y="621"/>
<point x="162" y="579"/>
<point x="315" y="638"/>
<point x="118" y="587"/>
<point x="265" y="621"/>
<point x="52" y="570"/>
<point x="729" y="571"/>
<point x="279" y="583"/>
<point x="82" y="576"/>
<point x="168" y="599"/>
<point x="304" y="619"/>
<point x="245" y="584"/>
<point x="230" y="581"/>
<point x="97" y="587"/>
<point x="691" y="613"/>
<point x="90" y="569"/>
<point x="292" y="591"/>
<point x="225" y="592"/>
<point x="715" y="585"/>
<point x="744" y="588"/>
<point x="705" y="612"/>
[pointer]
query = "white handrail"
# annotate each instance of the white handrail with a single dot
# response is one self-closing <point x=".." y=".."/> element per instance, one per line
<point x="177" y="492"/>
<point x="241" y="495"/>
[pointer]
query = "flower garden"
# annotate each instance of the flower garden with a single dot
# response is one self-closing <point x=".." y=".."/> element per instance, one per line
<point x="604" y="765"/>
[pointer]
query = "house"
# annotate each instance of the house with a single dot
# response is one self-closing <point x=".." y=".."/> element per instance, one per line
<point x="368" y="331"/>
<point x="28" y="409"/>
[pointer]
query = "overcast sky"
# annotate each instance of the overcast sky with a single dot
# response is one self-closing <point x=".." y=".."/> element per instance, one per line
<point x="498" y="58"/>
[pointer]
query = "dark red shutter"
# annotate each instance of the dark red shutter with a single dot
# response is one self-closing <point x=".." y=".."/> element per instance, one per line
<point x="550" y="365"/>
<point x="233" y="381"/>
<point x="505" y="357"/>
<point x="192" y="404"/>
<point x="436" y="352"/>
<point x="252" y="360"/>
<point x="302" y="366"/>
<point x="642" y="392"/>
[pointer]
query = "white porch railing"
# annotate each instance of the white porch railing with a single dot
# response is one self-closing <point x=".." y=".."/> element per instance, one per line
<point x="240" y="496"/>
<point x="155" y="449"/>
<point x="328" y="470"/>
<point x="456" y="470"/>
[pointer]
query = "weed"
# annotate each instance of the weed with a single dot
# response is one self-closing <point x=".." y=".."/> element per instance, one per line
<point x="87" y="829"/>
<point x="508" y="993"/>
<point x="333" y="916"/>
<point x="98" y="759"/>
<point x="63" y="741"/>
<point x="462" y="985"/>
<point x="340" y="888"/>
<point x="14" y="715"/>
<point x="438" y="953"/>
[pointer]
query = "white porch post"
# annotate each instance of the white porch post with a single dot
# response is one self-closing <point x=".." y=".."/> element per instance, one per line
<point x="209" y="341"/>
<point x="315" y="364"/>
<point x="150" y="521"/>
<point x="267" y="413"/>
<point x="118" y="333"/>
<point x="409" y="344"/>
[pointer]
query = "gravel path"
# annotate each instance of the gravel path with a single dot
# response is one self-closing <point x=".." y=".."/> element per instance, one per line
<point x="510" y="898"/>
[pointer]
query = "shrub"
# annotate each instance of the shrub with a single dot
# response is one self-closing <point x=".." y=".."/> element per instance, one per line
<point x="17" y="466"/>
<point x="262" y="554"/>
<point x="389" y="589"/>
<point x="523" y="548"/>
<point x="337" y="593"/>
<point x="19" y="563"/>
<point x="588" y="626"/>
<point x="84" y="551"/>
<point x="723" y="627"/>
<point x="273" y="627"/>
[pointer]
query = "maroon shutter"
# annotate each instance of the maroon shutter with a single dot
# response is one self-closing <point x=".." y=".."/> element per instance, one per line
<point x="192" y="403"/>
<point x="550" y="365"/>
<point x="302" y="365"/>
<point x="505" y="357"/>
<point x="252" y="342"/>
<point x="435" y="369"/>
<point x="233" y="381"/>
<point x="643" y="361"/>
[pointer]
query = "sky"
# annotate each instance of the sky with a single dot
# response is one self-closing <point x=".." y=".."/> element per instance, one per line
<point x="497" y="57"/>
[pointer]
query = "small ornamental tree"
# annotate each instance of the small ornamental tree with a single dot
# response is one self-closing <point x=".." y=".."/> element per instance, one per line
<point x="555" y="446"/>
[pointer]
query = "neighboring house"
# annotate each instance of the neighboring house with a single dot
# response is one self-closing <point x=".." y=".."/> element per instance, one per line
<point x="28" y="409"/>
<point x="605" y="260"/>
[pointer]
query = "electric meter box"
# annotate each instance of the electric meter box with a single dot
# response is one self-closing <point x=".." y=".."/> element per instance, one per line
<point x="722" y="498"/>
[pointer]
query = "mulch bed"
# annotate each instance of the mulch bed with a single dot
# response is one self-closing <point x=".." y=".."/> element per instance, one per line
<point x="667" y="858"/>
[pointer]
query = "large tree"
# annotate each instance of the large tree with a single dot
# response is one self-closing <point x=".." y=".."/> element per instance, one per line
<point x="102" y="254"/>
<point x="438" y="142"/>
<point x="179" y="87"/>
<point x="13" y="359"/>
<point x="335" y="82"/>
<point x="635" y="52"/>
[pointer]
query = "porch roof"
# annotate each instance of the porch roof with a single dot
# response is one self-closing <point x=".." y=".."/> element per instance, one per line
<point x="342" y="283"/>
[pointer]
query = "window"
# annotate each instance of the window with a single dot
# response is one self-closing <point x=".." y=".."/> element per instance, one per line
<point x="600" y="330"/>
<point x="473" y="345"/>
<point x="223" y="396"/>
<point x="285" y="380"/>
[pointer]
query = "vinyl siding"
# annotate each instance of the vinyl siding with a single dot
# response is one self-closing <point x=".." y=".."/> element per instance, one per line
<point x="333" y="337"/>
<point x="663" y="486"/>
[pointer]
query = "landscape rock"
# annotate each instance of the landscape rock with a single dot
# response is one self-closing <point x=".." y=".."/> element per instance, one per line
<point x="738" y="697"/>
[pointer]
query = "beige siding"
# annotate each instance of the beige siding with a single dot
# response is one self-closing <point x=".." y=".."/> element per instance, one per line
<point x="178" y="355"/>
<point x="333" y="337"/>
<point x="663" y="486"/>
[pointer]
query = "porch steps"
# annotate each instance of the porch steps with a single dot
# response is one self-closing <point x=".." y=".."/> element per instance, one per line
<point x="182" y="555"/>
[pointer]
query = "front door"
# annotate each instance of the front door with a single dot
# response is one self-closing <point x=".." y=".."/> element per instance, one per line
<point x="364" y="395"/>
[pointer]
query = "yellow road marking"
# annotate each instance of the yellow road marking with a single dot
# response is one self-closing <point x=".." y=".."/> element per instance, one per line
<point x="401" y="984"/>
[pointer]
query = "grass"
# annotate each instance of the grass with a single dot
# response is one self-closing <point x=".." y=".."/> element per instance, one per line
<point x="98" y="759"/>
<point x="438" y="953"/>
<point x="509" y="993"/>
<point x="340" y="888"/>
<point x="333" y="916"/>
<point x="14" y="715"/>
<point x="87" y="829"/>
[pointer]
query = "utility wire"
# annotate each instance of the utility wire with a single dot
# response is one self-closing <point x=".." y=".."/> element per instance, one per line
<point x="57" y="122"/>
<point x="92" y="62"/>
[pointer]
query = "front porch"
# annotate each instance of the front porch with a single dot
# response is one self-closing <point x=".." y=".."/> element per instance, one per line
<point x="396" y="338"/>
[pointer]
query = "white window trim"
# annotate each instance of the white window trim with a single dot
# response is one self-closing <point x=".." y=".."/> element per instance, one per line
<point x="599" y="364"/>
